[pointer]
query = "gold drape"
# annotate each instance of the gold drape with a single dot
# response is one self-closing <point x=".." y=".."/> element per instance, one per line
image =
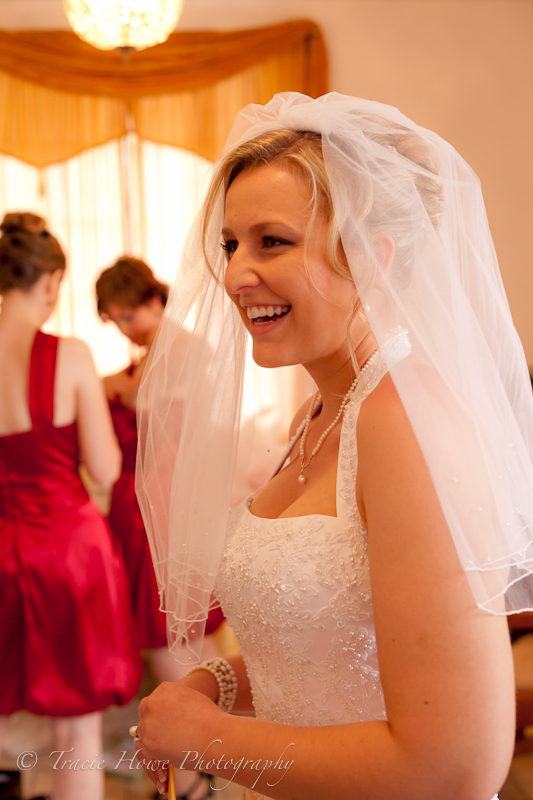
<point x="59" y="95"/>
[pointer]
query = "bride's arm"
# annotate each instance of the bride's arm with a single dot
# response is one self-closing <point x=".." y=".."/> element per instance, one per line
<point x="445" y="665"/>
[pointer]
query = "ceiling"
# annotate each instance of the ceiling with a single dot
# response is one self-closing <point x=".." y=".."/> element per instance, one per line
<point x="197" y="14"/>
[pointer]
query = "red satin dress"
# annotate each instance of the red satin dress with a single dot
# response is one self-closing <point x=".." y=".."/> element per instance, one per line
<point x="125" y="520"/>
<point x="66" y="628"/>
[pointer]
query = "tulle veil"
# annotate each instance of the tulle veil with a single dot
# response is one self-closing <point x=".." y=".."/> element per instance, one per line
<point x="465" y="387"/>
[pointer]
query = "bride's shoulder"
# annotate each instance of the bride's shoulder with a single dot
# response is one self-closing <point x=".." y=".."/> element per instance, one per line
<point x="389" y="455"/>
<point x="383" y="419"/>
<point x="385" y="397"/>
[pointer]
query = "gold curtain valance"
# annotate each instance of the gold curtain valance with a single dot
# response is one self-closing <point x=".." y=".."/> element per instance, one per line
<point x="59" y="95"/>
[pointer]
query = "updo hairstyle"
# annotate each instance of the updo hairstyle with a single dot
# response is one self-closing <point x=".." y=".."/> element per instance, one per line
<point x="383" y="199"/>
<point x="27" y="251"/>
<point x="129" y="282"/>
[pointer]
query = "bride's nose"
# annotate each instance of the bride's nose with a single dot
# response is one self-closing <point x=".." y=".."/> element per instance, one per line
<point x="241" y="272"/>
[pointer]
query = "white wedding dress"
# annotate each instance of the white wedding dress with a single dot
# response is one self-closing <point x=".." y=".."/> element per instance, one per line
<point x="296" y="592"/>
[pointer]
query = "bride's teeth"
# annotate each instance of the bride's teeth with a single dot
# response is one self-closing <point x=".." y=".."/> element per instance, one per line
<point x="254" y="312"/>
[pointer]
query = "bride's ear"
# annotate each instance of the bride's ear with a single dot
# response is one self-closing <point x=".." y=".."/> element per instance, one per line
<point x="384" y="250"/>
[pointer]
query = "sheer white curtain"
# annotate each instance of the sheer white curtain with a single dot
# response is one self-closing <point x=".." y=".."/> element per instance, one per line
<point x="98" y="217"/>
<point x="127" y="196"/>
<point x="81" y="201"/>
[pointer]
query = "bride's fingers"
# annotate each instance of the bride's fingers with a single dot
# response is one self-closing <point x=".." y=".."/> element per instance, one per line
<point x="156" y="770"/>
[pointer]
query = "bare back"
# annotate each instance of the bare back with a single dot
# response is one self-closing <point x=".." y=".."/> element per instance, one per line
<point x="15" y="354"/>
<point x="78" y="396"/>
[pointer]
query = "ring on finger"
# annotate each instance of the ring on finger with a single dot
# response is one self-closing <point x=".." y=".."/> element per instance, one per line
<point x="133" y="732"/>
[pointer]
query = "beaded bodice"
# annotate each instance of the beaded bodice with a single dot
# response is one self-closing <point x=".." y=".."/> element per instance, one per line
<point x="297" y="593"/>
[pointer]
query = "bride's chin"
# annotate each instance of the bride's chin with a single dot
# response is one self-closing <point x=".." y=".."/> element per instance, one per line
<point x="271" y="360"/>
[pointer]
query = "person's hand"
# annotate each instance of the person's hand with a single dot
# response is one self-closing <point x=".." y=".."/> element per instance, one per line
<point x="156" y="770"/>
<point x="176" y="722"/>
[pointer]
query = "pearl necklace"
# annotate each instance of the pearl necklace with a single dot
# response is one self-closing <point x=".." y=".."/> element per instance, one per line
<point x="312" y="408"/>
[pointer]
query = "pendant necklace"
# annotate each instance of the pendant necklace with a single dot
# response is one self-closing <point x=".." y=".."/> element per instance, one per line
<point x="312" y="408"/>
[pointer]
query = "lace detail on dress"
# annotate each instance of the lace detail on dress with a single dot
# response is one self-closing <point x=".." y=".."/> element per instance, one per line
<point x="297" y="593"/>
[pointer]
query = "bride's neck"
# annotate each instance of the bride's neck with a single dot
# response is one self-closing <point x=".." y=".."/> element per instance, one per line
<point x="335" y="376"/>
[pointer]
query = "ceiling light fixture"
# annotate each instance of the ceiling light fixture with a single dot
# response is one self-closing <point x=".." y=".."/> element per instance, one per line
<point x="124" y="24"/>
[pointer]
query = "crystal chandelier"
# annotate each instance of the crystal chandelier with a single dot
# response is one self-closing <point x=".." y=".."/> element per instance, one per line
<point x="127" y="24"/>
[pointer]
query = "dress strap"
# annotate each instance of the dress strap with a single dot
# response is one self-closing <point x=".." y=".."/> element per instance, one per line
<point x="396" y="347"/>
<point x="42" y="378"/>
<point x="348" y="457"/>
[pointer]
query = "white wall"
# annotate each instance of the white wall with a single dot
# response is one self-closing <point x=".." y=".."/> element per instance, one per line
<point x="461" y="67"/>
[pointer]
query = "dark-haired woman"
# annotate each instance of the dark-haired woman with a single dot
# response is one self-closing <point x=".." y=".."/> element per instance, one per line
<point x="129" y="295"/>
<point x="66" y="621"/>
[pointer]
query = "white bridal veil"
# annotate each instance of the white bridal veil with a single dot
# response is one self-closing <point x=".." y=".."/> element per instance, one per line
<point x="465" y="386"/>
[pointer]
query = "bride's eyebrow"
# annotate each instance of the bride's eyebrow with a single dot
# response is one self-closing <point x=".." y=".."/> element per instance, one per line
<point x="261" y="227"/>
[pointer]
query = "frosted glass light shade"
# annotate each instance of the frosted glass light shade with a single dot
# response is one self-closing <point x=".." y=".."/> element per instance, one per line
<point x="108" y="24"/>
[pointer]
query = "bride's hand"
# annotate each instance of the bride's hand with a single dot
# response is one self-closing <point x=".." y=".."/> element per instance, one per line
<point x="176" y="723"/>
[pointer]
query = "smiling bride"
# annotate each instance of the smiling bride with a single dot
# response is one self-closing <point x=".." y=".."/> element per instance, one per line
<point x="368" y="580"/>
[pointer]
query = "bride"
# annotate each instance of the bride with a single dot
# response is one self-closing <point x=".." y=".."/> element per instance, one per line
<point x="368" y="580"/>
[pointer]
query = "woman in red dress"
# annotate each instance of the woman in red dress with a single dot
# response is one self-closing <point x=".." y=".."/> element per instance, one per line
<point x="66" y="630"/>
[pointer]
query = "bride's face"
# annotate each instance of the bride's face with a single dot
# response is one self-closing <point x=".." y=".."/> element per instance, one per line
<point x="295" y="315"/>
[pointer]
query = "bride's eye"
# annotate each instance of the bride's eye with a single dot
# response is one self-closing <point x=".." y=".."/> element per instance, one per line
<point x="229" y="247"/>
<point x="273" y="241"/>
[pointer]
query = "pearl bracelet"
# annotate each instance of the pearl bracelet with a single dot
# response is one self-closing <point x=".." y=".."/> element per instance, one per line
<point x="226" y="678"/>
